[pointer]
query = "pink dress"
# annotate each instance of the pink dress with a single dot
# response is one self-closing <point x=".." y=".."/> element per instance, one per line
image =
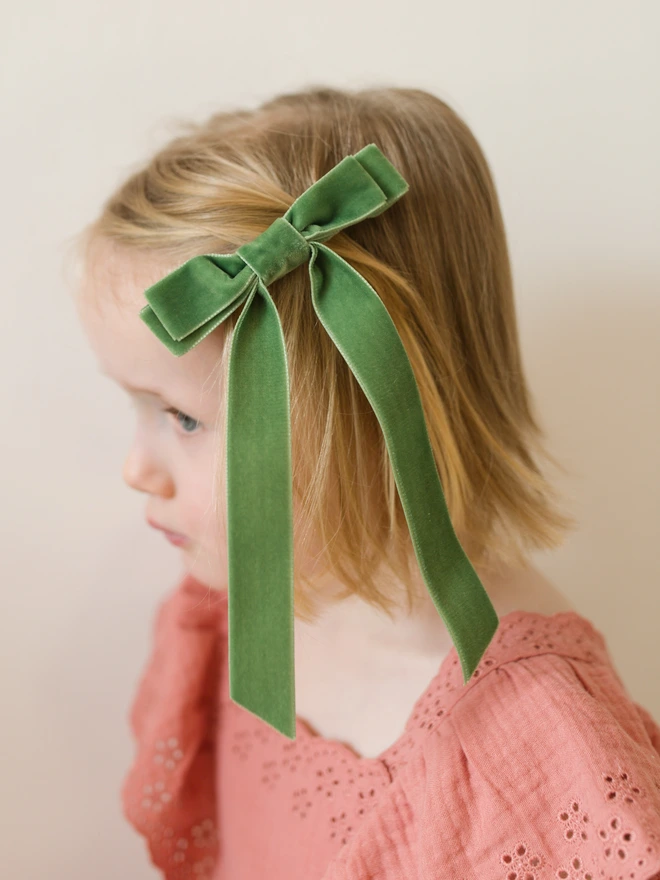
<point x="541" y="767"/>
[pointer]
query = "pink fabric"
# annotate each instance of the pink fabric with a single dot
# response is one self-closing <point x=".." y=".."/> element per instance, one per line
<point x="542" y="766"/>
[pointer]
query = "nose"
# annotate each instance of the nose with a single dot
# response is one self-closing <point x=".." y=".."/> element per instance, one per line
<point x="144" y="475"/>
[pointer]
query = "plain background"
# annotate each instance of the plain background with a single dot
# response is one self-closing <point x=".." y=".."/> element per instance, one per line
<point x="563" y="98"/>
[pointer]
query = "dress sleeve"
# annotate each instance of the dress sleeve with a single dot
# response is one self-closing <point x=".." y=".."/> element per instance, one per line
<point x="169" y="793"/>
<point x="545" y="770"/>
<point x="650" y="725"/>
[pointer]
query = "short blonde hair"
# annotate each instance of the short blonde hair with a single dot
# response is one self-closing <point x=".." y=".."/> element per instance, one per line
<point x="437" y="258"/>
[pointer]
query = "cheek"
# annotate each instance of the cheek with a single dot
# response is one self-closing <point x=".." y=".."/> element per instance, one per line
<point x="199" y="499"/>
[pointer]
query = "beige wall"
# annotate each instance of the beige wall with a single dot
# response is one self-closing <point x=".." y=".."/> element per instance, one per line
<point x="564" y="99"/>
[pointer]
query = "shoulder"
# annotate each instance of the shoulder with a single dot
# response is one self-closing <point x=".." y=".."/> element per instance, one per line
<point x="541" y="765"/>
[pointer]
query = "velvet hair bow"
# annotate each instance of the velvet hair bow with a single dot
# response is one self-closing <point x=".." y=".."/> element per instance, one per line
<point x="190" y="302"/>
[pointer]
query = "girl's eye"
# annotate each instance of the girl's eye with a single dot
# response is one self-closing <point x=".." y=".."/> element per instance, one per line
<point x="182" y="418"/>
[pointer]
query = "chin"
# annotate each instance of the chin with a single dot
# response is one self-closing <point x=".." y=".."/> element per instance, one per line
<point x="201" y="573"/>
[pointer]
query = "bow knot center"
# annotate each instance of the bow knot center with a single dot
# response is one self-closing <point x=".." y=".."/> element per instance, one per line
<point x="276" y="251"/>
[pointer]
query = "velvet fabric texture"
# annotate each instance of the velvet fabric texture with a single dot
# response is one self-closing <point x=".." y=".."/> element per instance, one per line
<point x="188" y="303"/>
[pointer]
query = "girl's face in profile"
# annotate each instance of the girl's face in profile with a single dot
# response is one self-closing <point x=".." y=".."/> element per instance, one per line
<point x="172" y="457"/>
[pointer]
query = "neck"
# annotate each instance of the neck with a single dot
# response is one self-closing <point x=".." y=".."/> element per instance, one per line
<point x="422" y="631"/>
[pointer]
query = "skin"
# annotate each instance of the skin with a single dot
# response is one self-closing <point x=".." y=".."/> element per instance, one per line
<point x="171" y="461"/>
<point x="171" y="457"/>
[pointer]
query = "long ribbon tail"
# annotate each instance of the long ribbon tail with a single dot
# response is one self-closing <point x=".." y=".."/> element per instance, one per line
<point x="351" y="311"/>
<point x="259" y="518"/>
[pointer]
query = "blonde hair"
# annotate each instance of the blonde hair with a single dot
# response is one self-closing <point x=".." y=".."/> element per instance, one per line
<point x="437" y="258"/>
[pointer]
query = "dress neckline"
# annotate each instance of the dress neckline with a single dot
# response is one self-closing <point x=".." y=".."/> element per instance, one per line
<point x="589" y="642"/>
<point x="566" y="633"/>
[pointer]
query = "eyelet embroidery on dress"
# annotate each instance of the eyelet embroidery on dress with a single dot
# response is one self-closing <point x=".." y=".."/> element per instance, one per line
<point x="321" y="768"/>
<point x="168" y="753"/>
<point x="430" y="711"/>
<point x="522" y="864"/>
<point x="168" y="794"/>
<point x="187" y="852"/>
<point x="325" y="782"/>
<point x="438" y="700"/>
<point x="182" y="853"/>
<point x="621" y="855"/>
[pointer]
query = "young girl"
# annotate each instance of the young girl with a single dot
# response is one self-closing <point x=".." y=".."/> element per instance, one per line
<point x="541" y="765"/>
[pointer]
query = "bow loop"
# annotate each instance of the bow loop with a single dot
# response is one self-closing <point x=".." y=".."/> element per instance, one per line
<point x="276" y="251"/>
<point x="190" y="302"/>
<point x="357" y="188"/>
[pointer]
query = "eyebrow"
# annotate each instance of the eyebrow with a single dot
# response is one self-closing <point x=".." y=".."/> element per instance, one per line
<point x="137" y="390"/>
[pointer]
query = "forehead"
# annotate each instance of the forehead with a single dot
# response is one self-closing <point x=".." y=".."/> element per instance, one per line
<point x="109" y="298"/>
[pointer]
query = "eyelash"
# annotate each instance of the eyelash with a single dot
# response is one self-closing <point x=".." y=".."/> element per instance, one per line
<point x="178" y="412"/>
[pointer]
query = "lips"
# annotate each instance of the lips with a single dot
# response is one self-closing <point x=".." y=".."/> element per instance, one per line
<point x="169" y="533"/>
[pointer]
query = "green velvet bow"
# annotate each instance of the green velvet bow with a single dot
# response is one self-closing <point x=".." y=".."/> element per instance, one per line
<point x="190" y="302"/>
